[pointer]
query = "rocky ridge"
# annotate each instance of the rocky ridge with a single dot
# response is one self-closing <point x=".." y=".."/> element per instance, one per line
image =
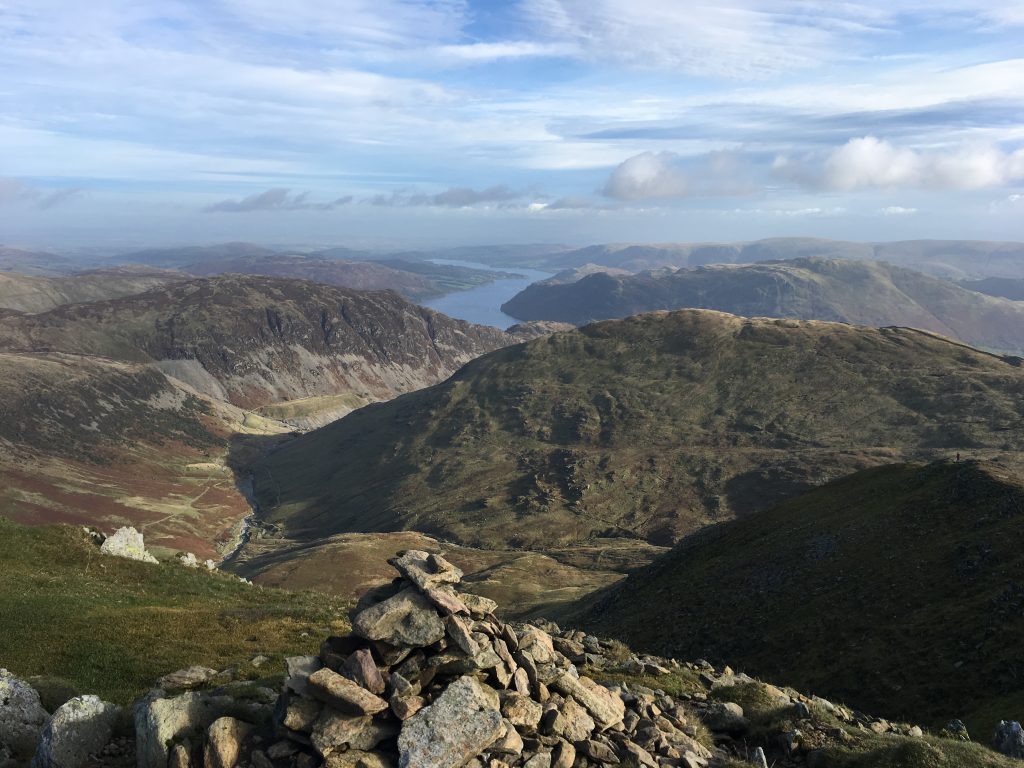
<point x="429" y="677"/>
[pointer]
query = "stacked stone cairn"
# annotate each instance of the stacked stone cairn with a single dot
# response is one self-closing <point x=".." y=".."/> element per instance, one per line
<point x="429" y="678"/>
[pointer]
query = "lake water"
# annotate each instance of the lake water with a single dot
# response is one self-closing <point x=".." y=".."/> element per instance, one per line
<point x="482" y="304"/>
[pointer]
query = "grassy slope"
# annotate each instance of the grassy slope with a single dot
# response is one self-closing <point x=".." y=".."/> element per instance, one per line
<point x="859" y="292"/>
<point x="647" y="428"/>
<point x="111" y="626"/>
<point x="27" y="293"/>
<point x="896" y="590"/>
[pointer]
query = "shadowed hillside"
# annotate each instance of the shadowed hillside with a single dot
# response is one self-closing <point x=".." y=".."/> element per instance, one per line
<point x="898" y="588"/>
<point x="259" y="342"/>
<point x="646" y="428"/>
<point x="863" y="293"/>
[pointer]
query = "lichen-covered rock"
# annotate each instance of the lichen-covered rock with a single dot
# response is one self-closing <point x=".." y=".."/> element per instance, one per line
<point x="127" y="542"/>
<point x="407" y="618"/>
<point x="22" y="718"/>
<point x="159" y="720"/>
<point x="604" y="706"/>
<point x="461" y="723"/>
<point x="79" y="727"/>
<point x="340" y="692"/>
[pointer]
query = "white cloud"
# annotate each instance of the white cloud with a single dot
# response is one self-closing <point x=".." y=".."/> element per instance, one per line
<point x="653" y="175"/>
<point x="898" y="210"/>
<point x="872" y="163"/>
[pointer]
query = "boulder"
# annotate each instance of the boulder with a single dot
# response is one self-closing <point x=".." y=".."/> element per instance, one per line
<point x="159" y="720"/>
<point x="726" y="716"/>
<point x="459" y="724"/>
<point x="405" y="619"/>
<point x="1009" y="739"/>
<point x="77" y="729"/>
<point x="224" y="740"/>
<point x="335" y="732"/>
<point x="22" y="718"/>
<point x="127" y="542"/>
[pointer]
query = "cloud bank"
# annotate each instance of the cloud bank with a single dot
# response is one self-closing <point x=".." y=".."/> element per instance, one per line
<point x="278" y="199"/>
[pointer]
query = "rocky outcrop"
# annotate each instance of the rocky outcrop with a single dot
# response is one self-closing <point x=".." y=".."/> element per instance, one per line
<point x="128" y="543"/>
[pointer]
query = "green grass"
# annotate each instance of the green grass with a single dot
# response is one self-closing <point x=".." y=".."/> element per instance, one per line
<point x="896" y="590"/>
<point x="110" y="626"/>
<point x="903" y="752"/>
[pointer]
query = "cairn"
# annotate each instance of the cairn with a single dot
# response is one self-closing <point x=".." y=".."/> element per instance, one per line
<point x="430" y="678"/>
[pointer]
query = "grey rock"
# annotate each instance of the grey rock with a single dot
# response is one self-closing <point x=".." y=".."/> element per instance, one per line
<point x="727" y="717"/>
<point x="77" y="729"/>
<point x="1009" y="739"/>
<point x="128" y="543"/>
<point x="187" y="679"/>
<point x="340" y="692"/>
<point x="224" y="740"/>
<point x="160" y="719"/>
<point x="603" y="705"/>
<point x="424" y="569"/>
<point x="22" y="717"/>
<point x="459" y="724"/>
<point x="406" y="619"/>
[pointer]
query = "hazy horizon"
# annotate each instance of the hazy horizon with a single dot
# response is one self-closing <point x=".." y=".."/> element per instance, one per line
<point x="433" y="123"/>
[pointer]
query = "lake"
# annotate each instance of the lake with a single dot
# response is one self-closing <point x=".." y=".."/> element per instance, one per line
<point x="481" y="305"/>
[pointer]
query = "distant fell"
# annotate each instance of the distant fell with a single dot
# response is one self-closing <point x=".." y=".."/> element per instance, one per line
<point x="859" y="292"/>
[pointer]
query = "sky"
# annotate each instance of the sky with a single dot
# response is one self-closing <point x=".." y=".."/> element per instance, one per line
<point x="407" y="123"/>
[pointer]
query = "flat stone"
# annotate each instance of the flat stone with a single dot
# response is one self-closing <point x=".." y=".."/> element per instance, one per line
<point x="604" y="706"/>
<point x="424" y="569"/>
<point x="340" y="692"/>
<point x="335" y="731"/>
<point x="460" y="723"/>
<point x="479" y="607"/>
<point x="187" y="679"/>
<point x="355" y="758"/>
<point x="405" y="619"/>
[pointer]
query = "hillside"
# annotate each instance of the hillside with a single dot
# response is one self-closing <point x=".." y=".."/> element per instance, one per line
<point x="95" y="442"/>
<point x="122" y="624"/>
<point x="416" y="281"/>
<point x="40" y="263"/>
<point x="305" y="352"/>
<point x="956" y="259"/>
<point x="857" y="292"/>
<point x="28" y="293"/>
<point x="895" y="590"/>
<point x="644" y="429"/>
<point x="1004" y="287"/>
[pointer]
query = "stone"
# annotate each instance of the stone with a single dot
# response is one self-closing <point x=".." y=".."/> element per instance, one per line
<point x="538" y="644"/>
<point x="343" y="694"/>
<point x="300" y="714"/>
<point x="447" y="599"/>
<point x="335" y="731"/>
<point x="1009" y="739"/>
<point x="727" y="717"/>
<point x="563" y="755"/>
<point x="355" y="758"/>
<point x="187" y="679"/>
<point x="539" y="760"/>
<point x="460" y="633"/>
<point x="127" y="542"/>
<point x="509" y="743"/>
<point x="604" y="706"/>
<point x="571" y="722"/>
<point x="224" y="740"/>
<point x="406" y="707"/>
<point x="299" y="668"/>
<point x="78" y="728"/>
<point x="180" y="756"/>
<point x="22" y="717"/>
<point x="521" y="710"/>
<point x="597" y="751"/>
<point x="424" y="569"/>
<point x="479" y="607"/>
<point x="361" y="668"/>
<point x="159" y="720"/>
<point x="460" y="723"/>
<point x="405" y="619"/>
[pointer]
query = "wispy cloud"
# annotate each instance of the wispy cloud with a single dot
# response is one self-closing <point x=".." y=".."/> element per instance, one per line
<point x="43" y="198"/>
<point x="453" y="197"/>
<point x="279" y="199"/>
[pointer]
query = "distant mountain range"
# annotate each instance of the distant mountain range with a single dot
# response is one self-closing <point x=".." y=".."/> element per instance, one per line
<point x="858" y="292"/>
<point x="31" y="293"/>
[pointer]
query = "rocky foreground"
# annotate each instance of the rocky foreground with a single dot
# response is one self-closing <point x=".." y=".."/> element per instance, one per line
<point x="430" y="678"/>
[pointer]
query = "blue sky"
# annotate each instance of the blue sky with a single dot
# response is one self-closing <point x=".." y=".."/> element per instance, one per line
<point x="403" y="123"/>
